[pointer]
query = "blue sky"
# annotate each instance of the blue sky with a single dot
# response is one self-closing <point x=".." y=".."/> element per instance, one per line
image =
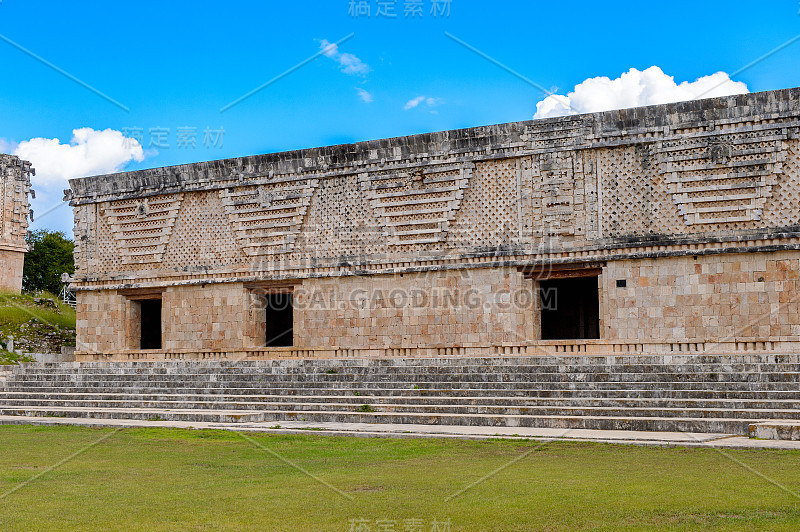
<point x="176" y="64"/>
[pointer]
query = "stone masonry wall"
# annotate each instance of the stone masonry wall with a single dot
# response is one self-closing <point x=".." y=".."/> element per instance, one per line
<point x="630" y="181"/>
<point x="15" y="185"/>
<point x="727" y="298"/>
<point x="102" y="323"/>
<point x="455" y="308"/>
<point x="738" y="296"/>
<point x="640" y="192"/>
<point x="436" y="308"/>
<point x="11" y="271"/>
<point x="205" y="318"/>
<point x="600" y="201"/>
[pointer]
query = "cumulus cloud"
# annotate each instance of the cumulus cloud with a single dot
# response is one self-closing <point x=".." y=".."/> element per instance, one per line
<point x="348" y="63"/>
<point x="365" y="96"/>
<point x="425" y="101"/>
<point x="89" y="152"/>
<point x="633" y="89"/>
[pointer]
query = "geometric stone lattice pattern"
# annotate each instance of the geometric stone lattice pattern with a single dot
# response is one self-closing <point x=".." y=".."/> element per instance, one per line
<point x="783" y="208"/>
<point x="142" y="227"/>
<point x="634" y="197"/>
<point x="102" y="253"/>
<point x="417" y="207"/>
<point x="722" y="178"/>
<point x="267" y="218"/>
<point x="340" y="223"/>
<point x="489" y="216"/>
<point x="202" y="234"/>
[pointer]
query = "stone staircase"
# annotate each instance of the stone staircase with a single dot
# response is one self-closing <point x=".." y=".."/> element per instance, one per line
<point x="676" y="393"/>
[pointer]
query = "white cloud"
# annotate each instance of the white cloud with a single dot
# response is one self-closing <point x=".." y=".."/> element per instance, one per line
<point x="89" y="152"/>
<point x="633" y="89"/>
<point x="422" y="100"/>
<point x="349" y="63"/>
<point x="410" y="104"/>
<point x="365" y="96"/>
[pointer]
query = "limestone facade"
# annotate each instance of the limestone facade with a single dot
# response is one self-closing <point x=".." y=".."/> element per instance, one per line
<point x="687" y="215"/>
<point x="15" y="186"/>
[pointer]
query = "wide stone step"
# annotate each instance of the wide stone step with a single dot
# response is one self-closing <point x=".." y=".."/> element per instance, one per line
<point x="676" y="382"/>
<point x="208" y="416"/>
<point x="649" y="379"/>
<point x="426" y="394"/>
<point x="564" y="358"/>
<point x="438" y="408"/>
<point x="776" y="430"/>
<point x="421" y="396"/>
<point x="775" y="366"/>
<point x="724" y="425"/>
<point x="685" y="393"/>
<point x="487" y="388"/>
<point x="34" y="379"/>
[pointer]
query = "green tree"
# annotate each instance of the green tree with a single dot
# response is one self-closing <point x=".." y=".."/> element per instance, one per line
<point x="49" y="255"/>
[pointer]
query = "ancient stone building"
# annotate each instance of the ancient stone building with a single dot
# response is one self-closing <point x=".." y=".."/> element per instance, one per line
<point x="15" y="185"/>
<point x="672" y="228"/>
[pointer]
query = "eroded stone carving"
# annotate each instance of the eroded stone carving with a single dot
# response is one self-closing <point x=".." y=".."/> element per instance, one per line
<point x="722" y="178"/>
<point x="416" y="206"/>
<point x="142" y="228"/>
<point x="15" y="212"/>
<point x="268" y="217"/>
<point x="670" y="176"/>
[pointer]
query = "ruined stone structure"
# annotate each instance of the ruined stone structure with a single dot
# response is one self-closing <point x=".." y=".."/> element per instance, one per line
<point x="15" y="186"/>
<point x="664" y="229"/>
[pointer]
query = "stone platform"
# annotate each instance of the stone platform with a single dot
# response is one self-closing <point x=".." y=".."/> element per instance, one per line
<point x="402" y="431"/>
<point x="719" y="394"/>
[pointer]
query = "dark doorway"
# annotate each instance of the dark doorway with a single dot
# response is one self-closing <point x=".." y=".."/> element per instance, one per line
<point x="570" y="309"/>
<point x="279" y="320"/>
<point x="151" y="323"/>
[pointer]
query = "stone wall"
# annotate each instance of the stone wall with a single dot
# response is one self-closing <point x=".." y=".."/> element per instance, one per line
<point x="11" y="271"/>
<point x="650" y="194"/>
<point x="596" y="199"/>
<point x="15" y="185"/>
<point x="724" y="298"/>
<point x="464" y="307"/>
<point x="102" y="322"/>
<point x="476" y="307"/>
<point x="205" y="318"/>
<point x="705" y="173"/>
<point x="738" y="296"/>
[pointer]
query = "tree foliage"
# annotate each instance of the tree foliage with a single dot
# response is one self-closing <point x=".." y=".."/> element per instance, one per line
<point x="49" y="255"/>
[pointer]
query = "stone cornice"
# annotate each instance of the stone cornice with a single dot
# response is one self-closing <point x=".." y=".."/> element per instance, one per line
<point x="754" y="242"/>
<point x="756" y="111"/>
<point x="10" y="246"/>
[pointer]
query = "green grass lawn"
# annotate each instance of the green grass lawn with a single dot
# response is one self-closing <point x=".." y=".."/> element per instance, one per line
<point x="16" y="309"/>
<point x="33" y="325"/>
<point x="148" y="479"/>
